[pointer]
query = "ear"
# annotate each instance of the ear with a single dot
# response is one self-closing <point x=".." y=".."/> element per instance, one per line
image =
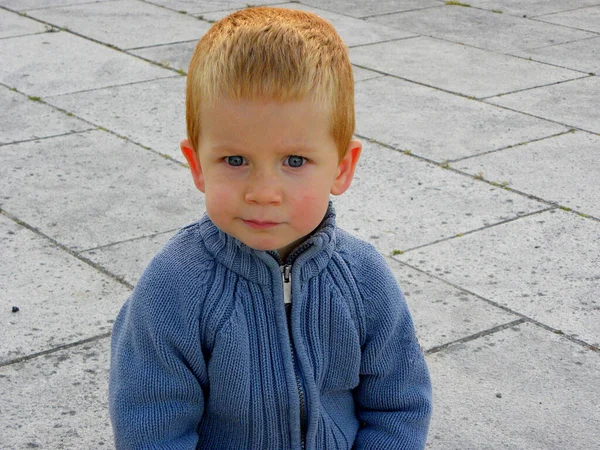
<point x="194" y="162"/>
<point x="346" y="168"/>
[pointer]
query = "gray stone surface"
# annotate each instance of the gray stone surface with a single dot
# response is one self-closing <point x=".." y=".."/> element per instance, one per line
<point x="482" y="29"/>
<point x="176" y="56"/>
<point x="24" y="119"/>
<point x="560" y="170"/>
<point x="504" y="392"/>
<point x="88" y="209"/>
<point x="61" y="300"/>
<point x="150" y="113"/>
<point x="457" y="68"/>
<point x="581" y="55"/>
<point x="92" y="189"/>
<point x="207" y="6"/>
<point x="11" y="24"/>
<point x="125" y="23"/>
<point x="128" y="259"/>
<point x="23" y="5"/>
<point x="443" y="313"/>
<point x="544" y="266"/>
<point x="531" y="8"/>
<point x="353" y="31"/>
<point x="59" y="63"/>
<point x="421" y="203"/>
<point x="574" y="103"/>
<point x="57" y="401"/>
<point x="361" y="74"/>
<point x="397" y="112"/>
<point x="583" y="19"/>
<point x="365" y="8"/>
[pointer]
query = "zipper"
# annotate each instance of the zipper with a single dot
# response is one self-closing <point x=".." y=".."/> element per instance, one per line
<point x="287" y="300"/>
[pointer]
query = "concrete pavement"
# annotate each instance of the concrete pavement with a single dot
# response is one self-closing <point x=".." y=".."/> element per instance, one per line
<point x="480" y="181"/>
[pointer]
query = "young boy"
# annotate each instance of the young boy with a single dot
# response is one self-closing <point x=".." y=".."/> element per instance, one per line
<point x="204" y="354"/>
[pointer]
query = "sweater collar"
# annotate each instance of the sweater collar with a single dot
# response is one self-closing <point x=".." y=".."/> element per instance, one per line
<point x="309" y="258"/>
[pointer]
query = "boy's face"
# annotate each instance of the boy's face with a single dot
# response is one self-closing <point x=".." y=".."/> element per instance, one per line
<point x="267" y="169"/>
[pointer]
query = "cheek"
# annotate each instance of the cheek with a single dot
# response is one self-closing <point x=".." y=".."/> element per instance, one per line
<point x="218" y="197"/>
<point x="308" y="210"/>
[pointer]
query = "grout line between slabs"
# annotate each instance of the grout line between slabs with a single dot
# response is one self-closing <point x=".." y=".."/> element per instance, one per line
<point x="566" y="10"/>
<point x="508" y="147"/>
<point x="539" y="86"/>
<point x="96" y="127"/>
<point x="399" y="12"/>
<point x="43" y="138"/>
<point x="383" y="42"/>
<point x="71" y="252"/>
<point x="574" y="127"/>
<point x="522" y="317"/>
<point x="100" y="247"/>
<point x="446" y="165"/>
<point x="114" y="86"/>
<point x="466" y="233"/>
<point x="488" y="332"/>
<point x="57" y="29"/>
<point x="54" y="350"/>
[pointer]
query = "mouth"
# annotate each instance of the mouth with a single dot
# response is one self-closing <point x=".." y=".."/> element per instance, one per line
<point x="259" y="224"/>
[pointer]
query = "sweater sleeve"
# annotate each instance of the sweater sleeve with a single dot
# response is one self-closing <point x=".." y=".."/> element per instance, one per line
<point x="393" y="399"/>
<point x="157" y="368"/>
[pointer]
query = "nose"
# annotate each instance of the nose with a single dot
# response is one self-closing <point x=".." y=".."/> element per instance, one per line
<point x="263" y="189"/>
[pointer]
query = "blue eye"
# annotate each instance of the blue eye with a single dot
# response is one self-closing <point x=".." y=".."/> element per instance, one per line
<point x="235" y="161"/>
<point x="295" y="161"/>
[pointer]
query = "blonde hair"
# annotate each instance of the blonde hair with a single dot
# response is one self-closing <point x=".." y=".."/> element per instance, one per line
<point x="272" y="53"/>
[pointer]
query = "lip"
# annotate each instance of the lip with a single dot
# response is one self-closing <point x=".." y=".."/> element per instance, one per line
<point x="259" y="224"/>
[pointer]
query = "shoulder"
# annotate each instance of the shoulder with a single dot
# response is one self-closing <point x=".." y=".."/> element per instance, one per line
<point x="363" y="258"/>
<point x="176" y="274"/>
<point x="374" y="278"/>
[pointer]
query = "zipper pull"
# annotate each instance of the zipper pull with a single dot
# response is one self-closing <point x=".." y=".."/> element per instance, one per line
<point x="286" y="271"/>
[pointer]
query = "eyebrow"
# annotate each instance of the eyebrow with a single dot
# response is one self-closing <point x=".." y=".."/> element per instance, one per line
<point x="291" y="150"/>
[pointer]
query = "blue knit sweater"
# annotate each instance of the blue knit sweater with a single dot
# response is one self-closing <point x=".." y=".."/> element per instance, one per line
<point x="202" y="356"/>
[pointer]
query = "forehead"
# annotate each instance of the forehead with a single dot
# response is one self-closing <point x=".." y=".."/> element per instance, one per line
<point x="266" y="123"/>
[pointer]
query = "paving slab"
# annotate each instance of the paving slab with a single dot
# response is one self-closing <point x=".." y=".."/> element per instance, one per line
<point x="24" y="5"/>
<point x="522" y="388"/>
<point x="457" y="68"/>
<point x="581" y="55"/>
<point x="361" y="74"/>
<point x="531" y="8"/>
<point x="92" y="189"/>
<point x="480" y="28"/>
<point x="58" y="401"/>
<point x="561" y="170"/>
<point x="25" y="119"/>
<point x="573" y="103"/>
<point x="439" y="125"/>
<point x="60" y="299"/>
<point x="125" y="23"/>
<point x="150" y="113"/>
<point x="58" y="63"/>
<point x="12" y="24"/>
<point x="176" y="56"/>
<point x="365" y="8"/>
<point x="128" y="260"/>
<point x="352" y="31"/>
<point x="418" y="203"/>
<point x="207" y="6"/>
<point x="443" y="313"/>
<point x="544" y="266"/>
<point x="583" y="19"/>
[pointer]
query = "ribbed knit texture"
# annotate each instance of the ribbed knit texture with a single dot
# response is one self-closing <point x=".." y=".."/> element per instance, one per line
<point x="201" y="353"/>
